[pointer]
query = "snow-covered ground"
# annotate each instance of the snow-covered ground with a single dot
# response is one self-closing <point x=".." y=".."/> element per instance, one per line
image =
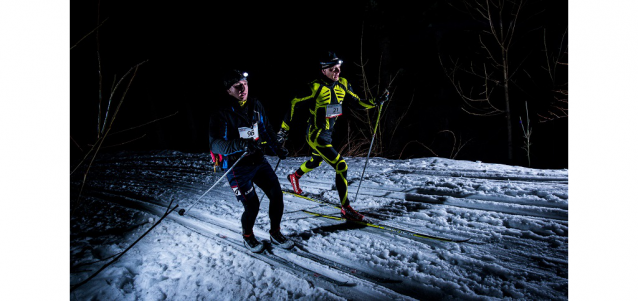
<point x="515" y="217"/>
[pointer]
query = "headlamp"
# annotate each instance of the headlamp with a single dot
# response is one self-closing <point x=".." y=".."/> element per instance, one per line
<point x="233" y="76"/>
<point x="331" y="63"/>
<point x="242" y="75"/>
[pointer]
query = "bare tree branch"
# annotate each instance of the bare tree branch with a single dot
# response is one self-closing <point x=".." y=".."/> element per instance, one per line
<point x="144" y="124"/>
<point x="418" y="142"/>
<point x="100" y="140"/>
<point x="88" y="34"/>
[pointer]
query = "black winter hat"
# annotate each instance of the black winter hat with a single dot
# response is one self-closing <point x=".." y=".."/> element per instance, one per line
<point x="329" y="60"/>
<point x="230" y="77"/>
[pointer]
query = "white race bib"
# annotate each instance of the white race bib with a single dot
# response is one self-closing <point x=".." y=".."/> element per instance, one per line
<point x="333" y="111"/>
<point x="249" y="133"/>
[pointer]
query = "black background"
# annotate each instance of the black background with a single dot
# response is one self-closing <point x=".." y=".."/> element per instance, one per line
<point x="185" y="46"/>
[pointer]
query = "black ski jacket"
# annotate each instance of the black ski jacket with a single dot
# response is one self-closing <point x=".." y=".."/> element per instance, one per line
<point x="223" y="131"/>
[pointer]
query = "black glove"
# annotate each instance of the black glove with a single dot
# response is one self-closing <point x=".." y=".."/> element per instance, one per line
<point x="282" y="136"/>
<point x="282" y="153"/>
<point x="383" y="97"/>
<point x="249" y="145"/>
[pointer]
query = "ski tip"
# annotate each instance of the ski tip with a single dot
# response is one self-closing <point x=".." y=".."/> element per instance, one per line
<point x="457" y="240"/>
<point x="347" y="283"/>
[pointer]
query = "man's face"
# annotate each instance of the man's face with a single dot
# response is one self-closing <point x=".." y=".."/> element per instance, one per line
<point x="239" y="90"/>
<point x="332" y="72"/>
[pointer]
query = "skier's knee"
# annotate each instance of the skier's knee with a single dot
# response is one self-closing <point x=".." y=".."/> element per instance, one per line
<point x="341" y="167"/>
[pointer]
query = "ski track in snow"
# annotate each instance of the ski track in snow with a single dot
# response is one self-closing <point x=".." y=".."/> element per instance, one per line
<point x="516" y="219"/>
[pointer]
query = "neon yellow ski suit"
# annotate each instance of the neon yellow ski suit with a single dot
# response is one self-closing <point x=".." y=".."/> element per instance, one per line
<point x="324" y="104"/>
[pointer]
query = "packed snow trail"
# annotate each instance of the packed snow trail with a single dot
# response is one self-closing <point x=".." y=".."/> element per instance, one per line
<point x="515" y="217"/>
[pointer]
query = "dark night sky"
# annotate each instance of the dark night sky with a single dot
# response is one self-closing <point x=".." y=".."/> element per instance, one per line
<point x="186" y="46"/>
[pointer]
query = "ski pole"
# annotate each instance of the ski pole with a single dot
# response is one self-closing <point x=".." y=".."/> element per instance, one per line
<point x="276" y="166"/>
<point x="275" y="171"/>
<point x="182" y="211"/>
<point x="370" y="150"/>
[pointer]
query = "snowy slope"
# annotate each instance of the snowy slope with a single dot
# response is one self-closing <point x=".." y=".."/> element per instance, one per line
<point x="516" y="218"/>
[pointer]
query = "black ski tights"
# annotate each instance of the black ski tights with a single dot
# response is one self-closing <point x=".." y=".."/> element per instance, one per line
<point x="241" y="180"/>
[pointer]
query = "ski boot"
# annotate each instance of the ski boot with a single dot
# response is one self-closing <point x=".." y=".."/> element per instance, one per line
<point x="253" y="244"/>
<point x="294" y="180"/>
<point x="278" y="239"/>
<point x="350" y="214"/>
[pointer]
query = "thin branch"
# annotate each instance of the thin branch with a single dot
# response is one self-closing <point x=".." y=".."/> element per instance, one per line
<point x="379" y="74"/>
<point x="489" y="109"/>
<point x="415" y="141"/>
<point x="88" y="34"/>
<point x="454" y="152"/>
<point x="487" y="49"/>
<point x="398" y="122"/>
<point x="76" y="144"/>
<point x="129" y="141"/>
<point x="144" y="124"/>
<point x="513" y="23"/>
<point x="101" y="139"/>
<point x="99" y="100"/>
<point x="527" y="133"/>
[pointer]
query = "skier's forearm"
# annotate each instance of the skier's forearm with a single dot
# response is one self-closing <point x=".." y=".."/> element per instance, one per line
<point x="225" y="147"/>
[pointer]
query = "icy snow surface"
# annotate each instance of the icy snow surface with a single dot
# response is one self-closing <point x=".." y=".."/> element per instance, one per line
<point x="515" y="217"/>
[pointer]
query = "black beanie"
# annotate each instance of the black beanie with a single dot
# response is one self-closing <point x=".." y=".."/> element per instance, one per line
<point x="329" y="60"/>
<point x="230" y="77"/>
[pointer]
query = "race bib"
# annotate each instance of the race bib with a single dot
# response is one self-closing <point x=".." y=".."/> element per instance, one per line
<point x="333" y="111"/>
<point x="249" y="133"/>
